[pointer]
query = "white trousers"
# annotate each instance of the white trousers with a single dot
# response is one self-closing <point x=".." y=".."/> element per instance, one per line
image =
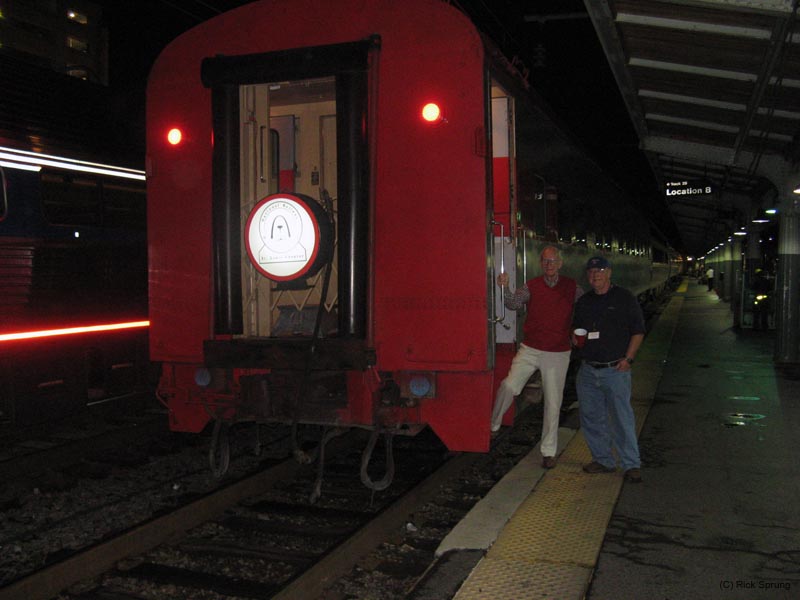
<point x="554" y="366"/>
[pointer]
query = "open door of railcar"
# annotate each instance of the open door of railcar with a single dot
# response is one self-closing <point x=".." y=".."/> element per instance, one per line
<point x="276" y="116"/>
<point x="508" y="255"/>
<point x="290" y="210"/>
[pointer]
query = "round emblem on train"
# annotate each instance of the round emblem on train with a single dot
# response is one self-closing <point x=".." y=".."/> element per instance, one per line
<point x="288" y="236"/>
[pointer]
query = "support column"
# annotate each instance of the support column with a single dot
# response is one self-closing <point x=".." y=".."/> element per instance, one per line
<point x="787" y="290"/>
<point x="736" y="281"/>
<point x="715" y="263"/>
<point x="727" y="272"/>
<point x="753" y="252"/>
<point x="752" y="262"/>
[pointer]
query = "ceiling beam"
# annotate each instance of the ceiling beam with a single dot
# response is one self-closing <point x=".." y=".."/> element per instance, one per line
<point x="692" y="151"/>
<point x="774" y="54"/>
<point x="694" y="26"/>
<point x="554" y="17"/>
<point x="683" y="216"/>
<point x="775" y="7"/>
<point x="721" y="212"/>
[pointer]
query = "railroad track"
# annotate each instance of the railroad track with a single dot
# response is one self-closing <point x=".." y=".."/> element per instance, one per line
<point x="51" y="580"/>
<point x="241" y="522"/>
<point x="258" y="537"/>
<point x="61" y="449"/>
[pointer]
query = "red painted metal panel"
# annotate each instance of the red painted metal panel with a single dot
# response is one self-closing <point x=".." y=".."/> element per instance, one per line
<point x="286" y="180"/>
<point x="501" y="191"/>
<point x="460" y="414"/>
<point x="429" y="262"/>
<point x="430" y="216"/>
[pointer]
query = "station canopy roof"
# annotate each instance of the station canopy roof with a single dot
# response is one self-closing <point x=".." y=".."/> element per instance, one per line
<point x="713" y="90"/>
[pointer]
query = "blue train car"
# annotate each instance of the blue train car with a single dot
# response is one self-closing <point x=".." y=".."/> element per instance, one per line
<point x="73" y="284"/>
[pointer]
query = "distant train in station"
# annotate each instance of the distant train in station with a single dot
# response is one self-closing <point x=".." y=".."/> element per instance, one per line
<point x="73" y="285"/>
<point x="332" y="189"/>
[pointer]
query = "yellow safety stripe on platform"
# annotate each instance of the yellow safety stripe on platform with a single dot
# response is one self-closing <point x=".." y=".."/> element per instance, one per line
<point x="556" y="535"/>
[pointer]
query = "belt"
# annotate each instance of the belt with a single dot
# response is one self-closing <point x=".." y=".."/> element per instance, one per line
<point x="602" y="365"/>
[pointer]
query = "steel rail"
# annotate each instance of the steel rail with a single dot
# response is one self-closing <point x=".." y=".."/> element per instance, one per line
<point x="91" y="562"/>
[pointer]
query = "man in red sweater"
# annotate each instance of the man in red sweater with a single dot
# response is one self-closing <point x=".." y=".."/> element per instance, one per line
<point x="549" y="300"/>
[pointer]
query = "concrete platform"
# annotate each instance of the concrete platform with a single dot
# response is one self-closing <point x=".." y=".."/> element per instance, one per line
<point x="716" y="517"/>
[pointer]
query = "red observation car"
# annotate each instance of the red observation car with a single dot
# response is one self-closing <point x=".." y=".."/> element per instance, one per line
<point x="331" y="186"/>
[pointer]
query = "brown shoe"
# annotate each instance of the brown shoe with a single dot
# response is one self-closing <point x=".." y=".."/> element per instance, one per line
<point x="596" y="467"/>
<point x="548" y="462"/>
<point x="633" y="476"/>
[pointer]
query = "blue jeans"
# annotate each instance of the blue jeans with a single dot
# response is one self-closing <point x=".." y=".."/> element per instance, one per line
<point x="607" y="418"/>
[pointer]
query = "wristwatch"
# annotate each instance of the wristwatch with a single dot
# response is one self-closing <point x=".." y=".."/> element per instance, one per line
<point x="629" y="359"/>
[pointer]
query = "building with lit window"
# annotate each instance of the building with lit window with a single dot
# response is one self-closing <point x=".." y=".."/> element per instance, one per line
<point x="66" y="36"/>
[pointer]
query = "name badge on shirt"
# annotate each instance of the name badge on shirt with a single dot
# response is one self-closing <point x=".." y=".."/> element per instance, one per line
<point x="593" y="335"/>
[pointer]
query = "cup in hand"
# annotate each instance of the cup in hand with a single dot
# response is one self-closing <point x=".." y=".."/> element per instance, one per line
<point x="580" y="337"/>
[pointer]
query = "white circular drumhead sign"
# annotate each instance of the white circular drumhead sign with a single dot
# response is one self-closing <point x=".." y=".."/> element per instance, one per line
<point x="282" y="236"/>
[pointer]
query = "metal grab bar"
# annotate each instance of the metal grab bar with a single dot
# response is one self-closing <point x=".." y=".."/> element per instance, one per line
<point x="262" y="171"/>
<point x="501" y="318"/>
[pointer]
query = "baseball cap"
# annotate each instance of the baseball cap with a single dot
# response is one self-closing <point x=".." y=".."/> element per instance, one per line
<point x="597" y="262"/>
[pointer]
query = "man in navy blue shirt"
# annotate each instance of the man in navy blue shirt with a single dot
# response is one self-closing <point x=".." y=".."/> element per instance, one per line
<point x="613" y="319"/>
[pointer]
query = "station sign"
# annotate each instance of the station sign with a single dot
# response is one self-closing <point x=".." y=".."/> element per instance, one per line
<point x="684" y="187"/>
<point x="288" y="236"/>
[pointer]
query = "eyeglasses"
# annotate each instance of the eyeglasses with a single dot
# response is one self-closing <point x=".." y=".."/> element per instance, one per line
<point x="550" y="261"/>
<point x="593" y="271"/>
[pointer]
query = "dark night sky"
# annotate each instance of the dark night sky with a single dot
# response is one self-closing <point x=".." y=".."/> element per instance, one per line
<point x="138" y="31"/>
<point x="567" y="67"/>
<point x="573" y="76"/>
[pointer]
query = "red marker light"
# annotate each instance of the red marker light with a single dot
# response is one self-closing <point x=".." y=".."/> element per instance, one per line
<point x="174" y="136"/>
<point x="432" y="113"/>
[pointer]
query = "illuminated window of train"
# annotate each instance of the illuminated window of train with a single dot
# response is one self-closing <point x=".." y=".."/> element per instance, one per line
<point x="71" y="199"/>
